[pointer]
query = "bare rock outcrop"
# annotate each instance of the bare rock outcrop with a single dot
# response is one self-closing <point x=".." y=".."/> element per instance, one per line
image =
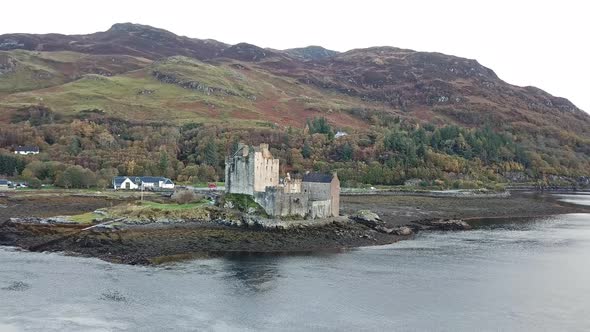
<point x="367" y="218"/>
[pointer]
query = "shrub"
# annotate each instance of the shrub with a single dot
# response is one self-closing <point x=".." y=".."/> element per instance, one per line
<point x="76" y="177"/>
<point x="243" y="203"/>
<point x="184" y="196"/>
<point x="35" y="183"/>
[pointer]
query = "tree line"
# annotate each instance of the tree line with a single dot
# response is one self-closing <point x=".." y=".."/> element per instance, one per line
<point x="89" y="152"/>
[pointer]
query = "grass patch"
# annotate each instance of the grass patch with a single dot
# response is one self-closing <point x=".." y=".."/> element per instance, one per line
<point x="86" y="218"/>
<point x="172" y="206"/>
<point x="147" y="210"/>
<point x="206" y="184"/>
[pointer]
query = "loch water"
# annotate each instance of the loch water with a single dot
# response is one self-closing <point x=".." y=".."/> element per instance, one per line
<point x="506" y="275"/>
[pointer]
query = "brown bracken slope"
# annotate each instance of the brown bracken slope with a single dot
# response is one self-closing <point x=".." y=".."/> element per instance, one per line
<point x="428" y="87"/>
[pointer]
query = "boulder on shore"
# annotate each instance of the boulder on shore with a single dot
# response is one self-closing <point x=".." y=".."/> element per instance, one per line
<point x="448" y="225"/>
<point x="404" y="231"/>
<point x="383" y="229"/>
<point x="367" y="218"/>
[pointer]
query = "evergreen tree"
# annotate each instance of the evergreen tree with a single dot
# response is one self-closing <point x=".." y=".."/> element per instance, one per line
<point x="164" y="163"/>
<point x="211" y="157"/>
<point x="347" y="151"/>
<point x="75" y="146"/>
<point x="306" y="151"/>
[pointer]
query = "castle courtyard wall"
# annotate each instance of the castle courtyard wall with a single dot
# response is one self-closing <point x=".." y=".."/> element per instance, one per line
<point x="317" y="191"/>
<point x="277" y="203"/>
<point x="320" y="209"/>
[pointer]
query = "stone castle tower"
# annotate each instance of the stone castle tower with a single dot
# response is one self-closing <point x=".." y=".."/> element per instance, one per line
<point x="250" y="170"/>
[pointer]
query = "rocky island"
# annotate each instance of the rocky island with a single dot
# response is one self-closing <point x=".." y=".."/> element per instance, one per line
<point x="123" y="229"/>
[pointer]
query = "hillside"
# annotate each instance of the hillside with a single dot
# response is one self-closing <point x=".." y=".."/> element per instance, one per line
<point x="391" y="101"/>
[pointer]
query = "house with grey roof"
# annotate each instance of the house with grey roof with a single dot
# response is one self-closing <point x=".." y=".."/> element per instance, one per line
<point x="26" y="150"/>
<point x="142" y="182"/>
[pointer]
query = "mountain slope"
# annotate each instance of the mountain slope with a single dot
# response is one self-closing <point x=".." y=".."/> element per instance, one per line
<point x="433" y="84"/>
<point x="123" y="38"/>
<point x="147" y="76"/>
<point x="311" y="52"/>
<point x="29" y="70"/>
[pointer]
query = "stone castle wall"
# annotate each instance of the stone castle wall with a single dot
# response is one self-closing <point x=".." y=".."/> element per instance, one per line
<point x="335" y="196"/>
<point x="266" y="170"/>
<point x="320" y="209"/>
<point x="278" y="203"/>
<point x="254" y="171"/>
<point x="239" y="175"/>
<point x="292" y="186"/>
<point x="251" y="170"/>
<point x="317" y="191"/>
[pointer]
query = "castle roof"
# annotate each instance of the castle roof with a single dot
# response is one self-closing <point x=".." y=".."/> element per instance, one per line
<point x="318" y="177"/>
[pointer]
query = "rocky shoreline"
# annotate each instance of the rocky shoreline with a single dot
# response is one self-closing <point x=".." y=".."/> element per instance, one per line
<point x="154" y="243"/>
<point x="390" y="219"/>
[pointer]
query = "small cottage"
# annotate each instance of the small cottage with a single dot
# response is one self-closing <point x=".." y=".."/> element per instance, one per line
<point x="26" y="150"/>
<point x="142" y="182"/>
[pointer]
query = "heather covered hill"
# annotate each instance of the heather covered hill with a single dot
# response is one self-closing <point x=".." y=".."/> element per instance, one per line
<point x="131" y="98"/>
<point x="122" y="38"/>
<point x="180" y="90"/>
<point x="311" y="52"/>
<point x="432" y="84"/>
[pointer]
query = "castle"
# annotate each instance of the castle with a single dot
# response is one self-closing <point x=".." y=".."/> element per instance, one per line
<point x="253" y="171"/>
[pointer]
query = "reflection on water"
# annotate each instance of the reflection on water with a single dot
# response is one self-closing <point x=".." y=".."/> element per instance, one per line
<point x="514" y="224"/>
<point x="516" y="275"/>
<point x="252" y="274"/>
<point x="580" y="198"/>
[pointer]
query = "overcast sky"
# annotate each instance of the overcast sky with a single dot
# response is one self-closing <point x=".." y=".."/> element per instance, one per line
<point x="526" y="42"/>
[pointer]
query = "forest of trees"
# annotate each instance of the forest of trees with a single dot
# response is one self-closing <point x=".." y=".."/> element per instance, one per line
<point x="89" y="152"/>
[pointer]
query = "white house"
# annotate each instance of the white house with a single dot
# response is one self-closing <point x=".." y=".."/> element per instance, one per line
<point x="137" y="182"/>
<point x="156" y="182"/>
<point x="27" y="150"/>
<point x="340" y="134"/>
<point x="124" y="182"/>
